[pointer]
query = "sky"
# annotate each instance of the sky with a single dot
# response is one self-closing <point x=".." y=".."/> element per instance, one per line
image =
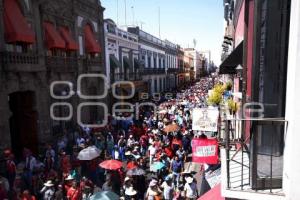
<point x="181" y="21"/>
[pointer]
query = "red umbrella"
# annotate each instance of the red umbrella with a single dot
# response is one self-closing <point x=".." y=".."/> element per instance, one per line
<point x="131" y="165"/>
<point x="111" y="164"/>
<point x="171" y="128"/>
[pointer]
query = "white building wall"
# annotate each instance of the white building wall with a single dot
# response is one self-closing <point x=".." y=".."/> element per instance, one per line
<point x="154" y="77"/>
<point x="291" y="172"/>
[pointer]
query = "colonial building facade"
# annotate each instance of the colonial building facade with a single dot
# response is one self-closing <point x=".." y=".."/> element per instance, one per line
<point x="171" y="65"/>
<point x="42" y="42"/>
<point x="122" y="57"/>
<point x="153" y="55"/>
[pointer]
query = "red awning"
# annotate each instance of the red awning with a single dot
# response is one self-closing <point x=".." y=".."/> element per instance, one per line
<point x="53" y="38"/>
<point x="213" y="194"/>
<point x="15" y="24"/>
<point x="91" y="43"/>
<point x="70" y="42"/>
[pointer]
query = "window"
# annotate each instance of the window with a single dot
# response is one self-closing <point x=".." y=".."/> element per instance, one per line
<point x="149" y="61"/>
<point x="154" y="60"/>
<point x="159" y="62"/>
<point x="19" y="47"/>
<point x="80" y="45"/>
<point x="161" y="86"/>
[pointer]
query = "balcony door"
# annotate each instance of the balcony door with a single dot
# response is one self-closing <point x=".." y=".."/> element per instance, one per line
<point x="23" y="122"/>
<point x="269" y="88"/>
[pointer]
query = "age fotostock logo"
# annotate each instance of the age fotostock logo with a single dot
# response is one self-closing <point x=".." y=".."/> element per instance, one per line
<point x="117" y="108"/>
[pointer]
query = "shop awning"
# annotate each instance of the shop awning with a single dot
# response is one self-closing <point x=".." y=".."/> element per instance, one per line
<point x="233" y="60"/>
<point x="213" y="194"/>
<point x="70" y="42"/>
<point x="52" y="37"/>
<point x="91" y="43"/>
<point x="15" y="24"/>
<point x="127" y="62"/>
<point x="114" y="61"/>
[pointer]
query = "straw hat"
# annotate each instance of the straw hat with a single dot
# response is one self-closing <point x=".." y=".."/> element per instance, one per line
<point x="49" y="183"/>
<point x="189" y="180"/>
<point x="69" y="178"/>
<point x="130" y="191"/>
<point x="153" y="183"/>
<point x="126" y="179"/>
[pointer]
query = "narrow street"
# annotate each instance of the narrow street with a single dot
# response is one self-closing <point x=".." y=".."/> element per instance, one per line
<point x="149" y="100"/>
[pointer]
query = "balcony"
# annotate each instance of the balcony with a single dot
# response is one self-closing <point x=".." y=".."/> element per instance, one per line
<point x="13" y="61"/>
<point x="126" y="76"/>
<point x="61" y="64"/>
<point x="172" y="70"/>
<point x="181" y="70"/>
<point x="253" y="169"/>
<point x="152" y="71"/>
<point x="92" y="64"/>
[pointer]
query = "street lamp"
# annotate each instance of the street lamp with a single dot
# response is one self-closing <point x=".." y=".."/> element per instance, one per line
<point x="239" y="70"/>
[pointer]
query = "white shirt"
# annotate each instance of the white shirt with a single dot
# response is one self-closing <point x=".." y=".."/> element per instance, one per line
<point x="152" y="150"/>
<point x="30" y="162"/>
<point x="191" y="190"/>
<point x="116" y="155"/>
<point x="48" y="193"/>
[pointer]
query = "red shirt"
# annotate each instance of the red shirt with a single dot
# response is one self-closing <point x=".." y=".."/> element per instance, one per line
<point x="73" y="194"/>
<point x="11" y="167"/>
<point x="28" y="197"/>
<point x="3" y="194"/>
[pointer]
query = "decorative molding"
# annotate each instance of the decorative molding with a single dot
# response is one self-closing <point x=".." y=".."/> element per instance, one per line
<point x="79" y="21"/>
<point x="59" y="10"/>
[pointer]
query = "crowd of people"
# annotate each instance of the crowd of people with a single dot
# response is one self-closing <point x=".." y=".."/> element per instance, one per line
<point x="154" y="151"/>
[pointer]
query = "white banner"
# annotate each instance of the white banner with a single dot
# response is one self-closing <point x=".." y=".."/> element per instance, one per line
<point x="205" y="119"/>
<point x="213" y="178"/>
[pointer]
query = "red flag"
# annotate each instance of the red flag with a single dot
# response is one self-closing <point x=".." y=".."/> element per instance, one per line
<point x="205" y="151"/>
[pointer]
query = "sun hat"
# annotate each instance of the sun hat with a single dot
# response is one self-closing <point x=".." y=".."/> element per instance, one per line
<point x="189" y="180"/>
<point x="130" y="191"/>
<point x="69" y="178"/>
<point x="49" y="183"/>
<point x="153" y="183"/>
<point x="169" y="177"/>
<point x="126" y="179"/>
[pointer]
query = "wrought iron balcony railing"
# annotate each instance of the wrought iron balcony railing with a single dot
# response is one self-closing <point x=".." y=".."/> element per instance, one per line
<point x="151" y="71"/>
<point x="18" y="58"/>
<point x="92" y="61"/>
<point x="172" y="70"/>
<point x="132" y="76"/>
<point x="253" y="164"/>
<point x="61" y="63"/>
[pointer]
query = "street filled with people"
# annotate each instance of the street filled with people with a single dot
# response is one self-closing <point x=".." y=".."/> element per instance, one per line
<point x="131" y="159"/>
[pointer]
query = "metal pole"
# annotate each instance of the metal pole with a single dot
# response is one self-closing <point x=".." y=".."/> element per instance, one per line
<point x="227" y="152"/>
<point x="125" y="13"/>
<point x="159" y="22"/>
<point x="118" y="12"/>
<point x="132" y="8"/>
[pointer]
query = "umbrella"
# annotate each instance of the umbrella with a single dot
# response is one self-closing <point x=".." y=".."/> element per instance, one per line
<point x="136" y="172"/>
<point x="131" y="165"/>
<point x="111" y="164"/>
<point x="162" y="111"/>
<point x="89" y="153"/>
<point x="105" y="195"/>
<point x="171" y="128"/>
<point x="158" y="166"/>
